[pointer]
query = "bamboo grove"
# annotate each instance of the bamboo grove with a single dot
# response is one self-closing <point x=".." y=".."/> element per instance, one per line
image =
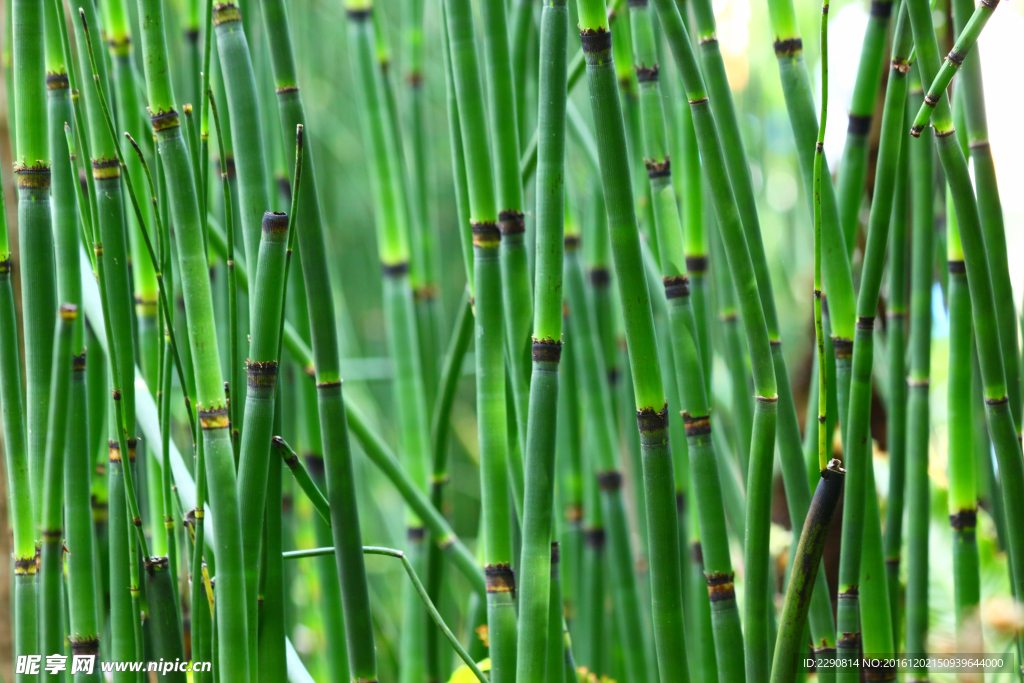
<point x="617" y="407"/>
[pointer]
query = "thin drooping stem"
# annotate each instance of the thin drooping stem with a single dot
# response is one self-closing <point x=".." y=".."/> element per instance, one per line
<point x="536" y="585"/>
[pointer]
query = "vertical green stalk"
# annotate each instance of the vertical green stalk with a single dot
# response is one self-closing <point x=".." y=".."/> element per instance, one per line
<point x="859" y="541"/>
<point x="608" y="521"/>
<point x="35" y="237"/>
<point x="922" y="231"/>
<point x="649" y="395"/>
<point x="535" y="606"/>
<point x="978" y="254"/>
<point x="334" y="436"/>
<point x="819" y="335"/>
<point x="51" y="528"/>
<point x="963" y="496"/>
<point x="896" y="415"/>
<point x="246" y="133"/>
<point x="274" y="598"/>
<point x="557" y="637"/>
<point x="232" y="618"/>
<point x="853" y="166"/>
<point x="515" y="280"/>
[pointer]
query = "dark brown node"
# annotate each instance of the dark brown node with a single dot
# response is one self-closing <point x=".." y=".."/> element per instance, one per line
<point x="900" y="65"/>
<point x="843" y="347"/>
<point x="415" y="533"/>
<point x="721" y="586"/>
<point x="658" y="169"/>
<point x="6" y="265"/>
<point x="78" y="362"/>
<point x="990" y="4"/>
<point x="775" y="343"/>
<point x="613" y="377"/>
<point x="546" y="350"/>
<point x="697" y="553"/>
<point x="595" y="40"/>
<point x="699" y="100"/>
<point x="85" y="646"/>
<point x="275" y="223"/>
<point x="555" y="554"/>
<point x="697" y="426"/>
<point x="680" y="502"/>
<point x="594" y="538"/>
<point x="851" y="593"/>
<point x="878" y="670"/>
<point x="859" y="124"/>
<point x="327" y="386"/>
<point x="676" y="286"/>
<point x="918" y="383"/>
<point x="767" y="399"/>
<point x="643" y="73"/>
<point x="216" y="418"/>
<point x="931" y="100"/>
<point x="979" y="145"/>
<point x="511" y="222"/>
<point x="286" y="89"/>
<point x="649" y="421"/>
<point x="892" y="561"/>
<point x="866" y="322"/>
<point x="261" y="374"/>
<point x="485" y="234"/>
<point x="696" y="264"/>
<point x="819" y="147"/>
<point x="360" y="13"/>
<point x="881" y="9"/>
<point x="788" y="47"/>
<point x="956" y="267"/>
<point x="610" y="480"/>
<point x="33" y="177"/>
<point x="965" y="519"/>
<point x="57" y="81"/>
<point x="915" y="131"/>
<point x="191" y="34"/>
<point x="849" y="641"/>
<point x="164" y="120"/>
<point x="955" y="57"/>
<point x="599" y="277"/>
<point x="707" y="40"/>
<point x="997" y="401"/>
<point x="395" y="269"/>
<point x="573" y="514"/>
<point x="500" y="578"/>
<point x="945" y="133"/>
<point x="572" y="242"/>
<point x="105" y="169"/>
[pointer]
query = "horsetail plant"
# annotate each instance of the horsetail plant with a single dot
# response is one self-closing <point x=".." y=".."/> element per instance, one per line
<point x="538" y="586"/>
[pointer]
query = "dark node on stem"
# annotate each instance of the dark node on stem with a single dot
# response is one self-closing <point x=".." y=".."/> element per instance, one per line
<point x="572" y="242"/>
<point x="58" y="81"/>
<point x="500" y="578"/>
<point x="555" y="555"/>
<point x="261" y="374"/>
<point x="849" y="641"/>
<point x="822" y="419"/>
<point x="879" y="670"/>
<point x="164" y="120"/>
<point x="915" y="131"/>
<point x="843" y="347"/>
<point x="511" y="222"/>
<point x="859" y="124"/>
<point x="228" y="168"/>
<point x="314" y="464"/>
<point x="945" y="133"/>
<point x="851" y="593"/>
<point x="85" y="646"/>
<point x="956" y="267"/>
<point x="52" y="534"/>
<point x="547" y="350"/>
<point x="931" y="100"/>
<point x="613" y="377"/>
<point x="680" y="503"/>
<point x="132" y="445"/>
<point x="696" y="265"/>
<point x="6" y="265"/>
<point x="892" y="561"/>
<point x="767" y="399"/>
<point x="115" y="394"/>
<point x="866" y="322"/>
<point x="697" y="426"/>
<point x="676" y="286"/>
<point x="78" y="362"/>
<point x="226" y="13"/>
<point x="707" y="40"/>
<point x="113" y="451"/>
<point x="965" y="519"/>
<point x="824" y="9"/>
<point x="595" y="40"/>
<point x="979" y="145"/>
<point x="788" y="47"/>
<point x="424" y="293"/>
<point x="921" y="383"/>
<point x="775" y="343"/>
<point x="997" y="401"/>
<point x="697" y="553"/>
<point x="824" y="652"/>
<point x="191" y="34"/>
<point x="594" y="538"/>
<point x="486" y="235"/>
<point x="658" y="169"/>
<point x="286" y="89"/>
<point x="649" y="421"/>
<point x="610" y="480"/>
<point x="901" y="65"/>
<point x="730" y="316"/>
<point x="720" y="586"/>
<point x="156" y="564"/>
<point x="216" y="418"/>
<point x="699" y="100"/>
<point x="395" y="269"/>
<point x="643" y="73"/>
<point x="895" y="315"/>
<point x="990" y="4"/>
<point x="881" y="8"/>
<point x="599" y="277"/>
<point x="416" y="534"/>
<point x="33" y="177"/>
<point x="328" y="386"/>
<point x="275" y="223"/>
<point x="955" y="57"/>
<point x="25" y="566"/>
